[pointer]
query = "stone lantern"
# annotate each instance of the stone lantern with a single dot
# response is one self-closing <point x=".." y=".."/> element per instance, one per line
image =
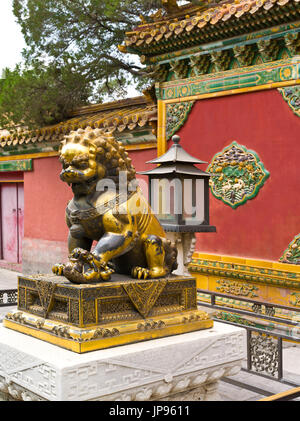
<point x="179" y="196"/>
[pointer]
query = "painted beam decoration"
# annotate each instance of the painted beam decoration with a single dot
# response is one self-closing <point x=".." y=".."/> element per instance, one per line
<point x="269" y="74"/>
<point x="237" y="175"/>
<point x="17" y="165"/>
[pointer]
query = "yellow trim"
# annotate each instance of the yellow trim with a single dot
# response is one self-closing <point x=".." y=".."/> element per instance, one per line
<point x="109" y="342"/>
<point x="281" y="395"/>
<point x="11" y="181"/>
<point x="161" y="129"/>
<point x="140" y="146"/>
<point x="259" y="263"/>
<point x="29" y="156"/>
<point x="255" y="279"/>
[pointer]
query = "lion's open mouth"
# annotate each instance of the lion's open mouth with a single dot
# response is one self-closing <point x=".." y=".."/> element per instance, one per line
<point x="83" y="183"/>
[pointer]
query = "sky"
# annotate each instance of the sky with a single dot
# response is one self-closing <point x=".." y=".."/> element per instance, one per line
<point x="12" y="41"/>
<point x="11" y="38"/>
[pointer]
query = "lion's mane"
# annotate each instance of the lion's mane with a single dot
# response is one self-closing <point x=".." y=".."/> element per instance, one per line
<point x="105" y="150"/>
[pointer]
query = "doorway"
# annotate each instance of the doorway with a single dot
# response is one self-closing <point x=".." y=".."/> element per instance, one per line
<point x="12" y="221"/>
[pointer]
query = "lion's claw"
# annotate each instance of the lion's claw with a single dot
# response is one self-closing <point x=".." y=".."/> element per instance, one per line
<point x="58" y="269"/>
<point x="140" y="273"/>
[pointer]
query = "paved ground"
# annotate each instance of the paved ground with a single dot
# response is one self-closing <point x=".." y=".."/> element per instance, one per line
<point x="8" y="278"/>
<point x="262" y="387"/>
<point x="228" y="391"/>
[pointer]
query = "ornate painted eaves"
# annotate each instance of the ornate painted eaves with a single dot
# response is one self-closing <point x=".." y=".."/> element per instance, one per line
<point x="205" y="24"/>
<point x="237" y="175"/>
<point x="291" y="94"/>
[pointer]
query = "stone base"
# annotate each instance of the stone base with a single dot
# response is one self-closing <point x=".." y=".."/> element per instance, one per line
<point x="181" y="367"/>
<point x="89" y="317"/>
<point x="82" y="340"/>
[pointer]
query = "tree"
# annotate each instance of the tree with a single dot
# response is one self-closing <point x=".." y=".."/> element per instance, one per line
<point x="71" y="58"/>
<point x="40" y="95"/>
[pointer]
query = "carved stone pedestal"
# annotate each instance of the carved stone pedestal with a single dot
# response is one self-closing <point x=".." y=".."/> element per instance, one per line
<point x="181" y="367"/>
<point x="89" y="317"/>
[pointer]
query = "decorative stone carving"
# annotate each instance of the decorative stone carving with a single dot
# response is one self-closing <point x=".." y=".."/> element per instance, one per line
<point x="292" y="253"/>
<point x="264" y="354"/>
<point x="8" y="296"/>
<point x="185" y="243"/>
<point x="291" y="94"/>
<point x="177" y="115"/>
<point x="237" y="175"/>
<point x="152" y="370"/>
<point x="237" y="288"/>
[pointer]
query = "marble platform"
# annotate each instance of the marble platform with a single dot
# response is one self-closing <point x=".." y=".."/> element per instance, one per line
<point x="181" y="367"/>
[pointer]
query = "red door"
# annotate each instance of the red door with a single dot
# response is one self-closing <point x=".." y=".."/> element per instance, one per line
<point x="12" y="221"/>
<point x="20" y="191"/>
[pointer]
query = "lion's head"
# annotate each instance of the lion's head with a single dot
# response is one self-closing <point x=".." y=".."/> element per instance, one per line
<point x="89" y="155"/>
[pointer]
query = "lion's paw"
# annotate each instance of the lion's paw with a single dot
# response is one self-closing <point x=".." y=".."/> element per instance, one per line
<point x="58" y="269"/>
<point x="140" y="273"/>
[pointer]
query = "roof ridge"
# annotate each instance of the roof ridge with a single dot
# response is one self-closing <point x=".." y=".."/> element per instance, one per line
<point x="106" y="106"/>
<point x="138" y="113"/>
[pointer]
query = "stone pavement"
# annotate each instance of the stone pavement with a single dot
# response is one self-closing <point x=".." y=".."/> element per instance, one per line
<point x="8" y="279"/>
<point x="261" y="387"/>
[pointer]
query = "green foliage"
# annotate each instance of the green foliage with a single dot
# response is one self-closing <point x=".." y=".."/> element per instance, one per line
<point x="71" y="59"/>
<point x="40" y="96"/>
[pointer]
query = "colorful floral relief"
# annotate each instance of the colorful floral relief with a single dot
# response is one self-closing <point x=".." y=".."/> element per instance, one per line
<point x="177" y="115"/>
<point x="237" y="175"/>
<point x="291" y="94"/>
<point x="292" y="253"/>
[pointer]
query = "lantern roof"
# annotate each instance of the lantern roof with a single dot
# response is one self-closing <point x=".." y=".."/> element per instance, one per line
<point x="176" y="169"/>
<point x="176" y="161"/>
<point x="176" y="153"/>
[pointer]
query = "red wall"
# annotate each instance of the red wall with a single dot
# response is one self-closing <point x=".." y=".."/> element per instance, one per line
<point x="46" y="196"/>
<point x="262" y="121"/>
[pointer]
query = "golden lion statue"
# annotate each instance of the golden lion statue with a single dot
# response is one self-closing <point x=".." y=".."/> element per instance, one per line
<point x="109" y="208"/>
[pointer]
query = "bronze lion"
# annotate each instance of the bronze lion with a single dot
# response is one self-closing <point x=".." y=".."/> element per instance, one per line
<point x="108" y="208"/>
